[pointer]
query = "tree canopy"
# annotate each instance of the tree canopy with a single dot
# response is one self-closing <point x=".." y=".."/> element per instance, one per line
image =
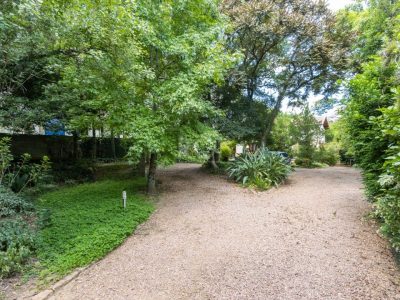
<point x="289" y="50"/>
<point x="162" y="74"/>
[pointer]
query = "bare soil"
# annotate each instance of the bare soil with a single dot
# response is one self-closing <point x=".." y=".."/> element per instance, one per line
<point x="211" y="239"/>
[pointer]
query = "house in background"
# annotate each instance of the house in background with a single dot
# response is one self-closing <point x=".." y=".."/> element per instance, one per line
<point x="36" y="130"/>
<point x="54" y="127"/>
<point x="324" y="122"/>
<point x="324" y="125"/>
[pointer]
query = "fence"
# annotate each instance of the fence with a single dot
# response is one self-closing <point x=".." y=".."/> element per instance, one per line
<point x="59" y="148"/>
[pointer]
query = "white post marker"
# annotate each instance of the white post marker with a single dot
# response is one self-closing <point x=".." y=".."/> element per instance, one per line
<point x="239" y="149"/>
<point x="124" y="199"/>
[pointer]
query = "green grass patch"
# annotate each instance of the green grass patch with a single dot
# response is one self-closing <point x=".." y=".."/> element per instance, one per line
<point x="87" y="222"/>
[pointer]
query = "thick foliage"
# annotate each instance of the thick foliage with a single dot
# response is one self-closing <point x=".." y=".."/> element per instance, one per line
<point x="368" y="92"/>
<point x="340" y="139"/>
<point x="372" y="112"/>
<point x="307" y="133"/>
<point x="226" y="150"/>
<point x="17" y="237"/>
<point x="289" y="48"/>
<point x="282" y="135"/>
<point x="23" y="173"/>
<point x="388" y="204"/>
<point x="12" y="204"/>
<point x="262" y="169"/>
<point x="327" y="154"/>
<point x="17" y="243"/>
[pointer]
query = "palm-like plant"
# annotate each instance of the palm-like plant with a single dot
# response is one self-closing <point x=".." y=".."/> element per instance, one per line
<point x="262" y="169"/>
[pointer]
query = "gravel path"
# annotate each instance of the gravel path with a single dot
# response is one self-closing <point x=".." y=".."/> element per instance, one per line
<point x="210" y="239"/>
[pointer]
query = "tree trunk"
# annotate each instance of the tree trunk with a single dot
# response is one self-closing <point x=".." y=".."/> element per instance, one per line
<point x="101" y="147"/>
<point x="267" y="130"/>
<point x="94" y="149"/>
<point x="141" y="167"/>
<point x="264" y="139"/>
<point x="151" y="177"/>
<point x="217" y="153"/>
<point x="212" y="160"/>
<point x="113" y="154"/>
<point x="271" y="119"/>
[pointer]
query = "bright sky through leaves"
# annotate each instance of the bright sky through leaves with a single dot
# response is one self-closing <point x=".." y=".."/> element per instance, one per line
<point x="338" y="4"/>
<point x="334" y="5"/>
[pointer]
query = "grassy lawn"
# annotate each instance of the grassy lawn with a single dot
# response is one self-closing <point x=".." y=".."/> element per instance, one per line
<point x="87" y="222"/>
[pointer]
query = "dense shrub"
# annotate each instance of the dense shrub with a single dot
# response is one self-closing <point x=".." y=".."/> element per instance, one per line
<point x="17" y="243"/>
<point x="80" y="171"/>
<point x="17" y="237"/>
<point x="327" y="154"/>
<point x="282" y="134"/>
<point x="346" y="158"/>
<point x="388" y="204"/>
<point x="262" y="169"/>
<point x="12" y="204"/>
<point x="372" y="114"/>
<point x="306" y="133"/>
<point x="303" y="162"/>
<point x="221" y="170"/>
<point x="23" y="173"/>
<point x="308" y="163"/>
<point x="191" y="158"/>
<point x="368" y="92"/>
<point x="226" y="152"/>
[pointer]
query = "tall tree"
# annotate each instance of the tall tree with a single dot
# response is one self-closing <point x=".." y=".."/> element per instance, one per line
<point x="24" y="44"/>
<point x="281" y="135"/>
<point x="183" y="51"/>
<point x="290" y="49"/>
<point x="307" y="133"/>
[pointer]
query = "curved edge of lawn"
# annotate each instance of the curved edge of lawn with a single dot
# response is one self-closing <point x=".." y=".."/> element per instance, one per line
<point x="87" y="222"/>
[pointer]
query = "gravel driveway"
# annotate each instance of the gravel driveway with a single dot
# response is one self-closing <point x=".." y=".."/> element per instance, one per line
<point x="210" y="239"/>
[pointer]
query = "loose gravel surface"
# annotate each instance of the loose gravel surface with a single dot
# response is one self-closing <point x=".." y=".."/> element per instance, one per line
<point x="211" y="239"/>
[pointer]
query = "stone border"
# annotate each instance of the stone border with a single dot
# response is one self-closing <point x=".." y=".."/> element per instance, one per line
<point x="43" y="295"/>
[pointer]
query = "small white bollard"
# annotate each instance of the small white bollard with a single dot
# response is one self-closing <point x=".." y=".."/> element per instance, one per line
<point x="124" y="199"/>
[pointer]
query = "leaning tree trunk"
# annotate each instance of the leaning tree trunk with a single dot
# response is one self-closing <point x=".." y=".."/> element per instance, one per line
<point x="212" y="160"/>
<point x="270" y="121"/>
<point x="151" y="177"/>
<point x="215" y="156"/>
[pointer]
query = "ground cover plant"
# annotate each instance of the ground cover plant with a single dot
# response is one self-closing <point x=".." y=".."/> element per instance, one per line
<point x="261" y="169"/>
<point x="87" y="222"/>
<point x="18" y="217"/>
<point x="17" y="245"/>
<point x="66" y="228"/>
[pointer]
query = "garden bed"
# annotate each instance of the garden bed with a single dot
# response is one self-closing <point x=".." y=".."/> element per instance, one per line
<point x="87" y="222"/>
